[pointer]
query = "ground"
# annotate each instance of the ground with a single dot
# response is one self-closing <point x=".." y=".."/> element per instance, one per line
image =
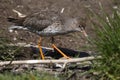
<point x="73" y="8"/>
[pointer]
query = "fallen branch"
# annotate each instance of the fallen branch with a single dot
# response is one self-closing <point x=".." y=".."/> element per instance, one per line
<point x="28" y="45"/>
<point x="72" y="60"/>
<point x="19" y="14"/>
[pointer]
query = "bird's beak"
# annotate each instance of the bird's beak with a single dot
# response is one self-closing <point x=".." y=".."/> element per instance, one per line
<point x="84" y="33"/>
<point x="82" y="29"/>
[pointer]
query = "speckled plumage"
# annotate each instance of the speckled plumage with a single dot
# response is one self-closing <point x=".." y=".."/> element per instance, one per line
<point x="48" y="23"/>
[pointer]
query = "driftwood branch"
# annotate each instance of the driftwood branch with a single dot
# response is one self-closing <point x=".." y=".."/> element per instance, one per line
<point x="72" y="60"/>
<point x="28" y="45"/>
<point x="19" y="14"/>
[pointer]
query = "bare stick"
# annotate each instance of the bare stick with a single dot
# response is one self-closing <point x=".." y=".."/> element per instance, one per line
<point x="28" y="45"/>
<point x="19" y="14"/>
<point x="62" y="10"/>
<point x="72" y="60"/>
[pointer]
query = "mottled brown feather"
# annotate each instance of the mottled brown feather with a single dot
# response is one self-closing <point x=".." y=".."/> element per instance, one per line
<point x="37" y="20"/>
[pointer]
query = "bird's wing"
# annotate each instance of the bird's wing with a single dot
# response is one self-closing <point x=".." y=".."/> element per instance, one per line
<point x="36" y="21"/>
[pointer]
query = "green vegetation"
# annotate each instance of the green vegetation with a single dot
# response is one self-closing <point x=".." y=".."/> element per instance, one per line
<point x="28" y="76"/>
<point x="107" y="44"/>
<point x="4" y="49"/>
<point x="7" y="52"/>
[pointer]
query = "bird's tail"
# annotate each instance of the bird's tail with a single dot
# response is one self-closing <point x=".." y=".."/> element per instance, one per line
<point x="12" y="20"/>
<point x="18" y="22"/>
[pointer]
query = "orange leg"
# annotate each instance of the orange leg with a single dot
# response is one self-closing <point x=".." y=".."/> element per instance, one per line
<point x="60" y="52"/>
<point x="40" y="49"/>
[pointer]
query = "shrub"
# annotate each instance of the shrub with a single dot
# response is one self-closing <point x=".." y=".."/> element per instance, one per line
<point x="107" y="44"/>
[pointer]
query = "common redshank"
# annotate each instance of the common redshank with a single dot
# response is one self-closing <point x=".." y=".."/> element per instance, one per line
<point x="49" y="24"/>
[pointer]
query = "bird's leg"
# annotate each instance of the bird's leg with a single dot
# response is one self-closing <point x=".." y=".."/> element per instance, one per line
<point x="40" y="48"/>
<point x="63" y="54"/>
<point x="60" y="52"/>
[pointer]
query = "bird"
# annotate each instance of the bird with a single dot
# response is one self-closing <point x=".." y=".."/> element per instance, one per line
<point x="48" y="24"/>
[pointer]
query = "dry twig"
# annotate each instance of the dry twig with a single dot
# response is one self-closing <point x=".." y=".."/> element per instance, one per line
<point x="72" y="60"/>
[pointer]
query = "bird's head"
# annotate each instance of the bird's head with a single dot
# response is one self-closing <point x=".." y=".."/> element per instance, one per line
<point x="78" y="24"/>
